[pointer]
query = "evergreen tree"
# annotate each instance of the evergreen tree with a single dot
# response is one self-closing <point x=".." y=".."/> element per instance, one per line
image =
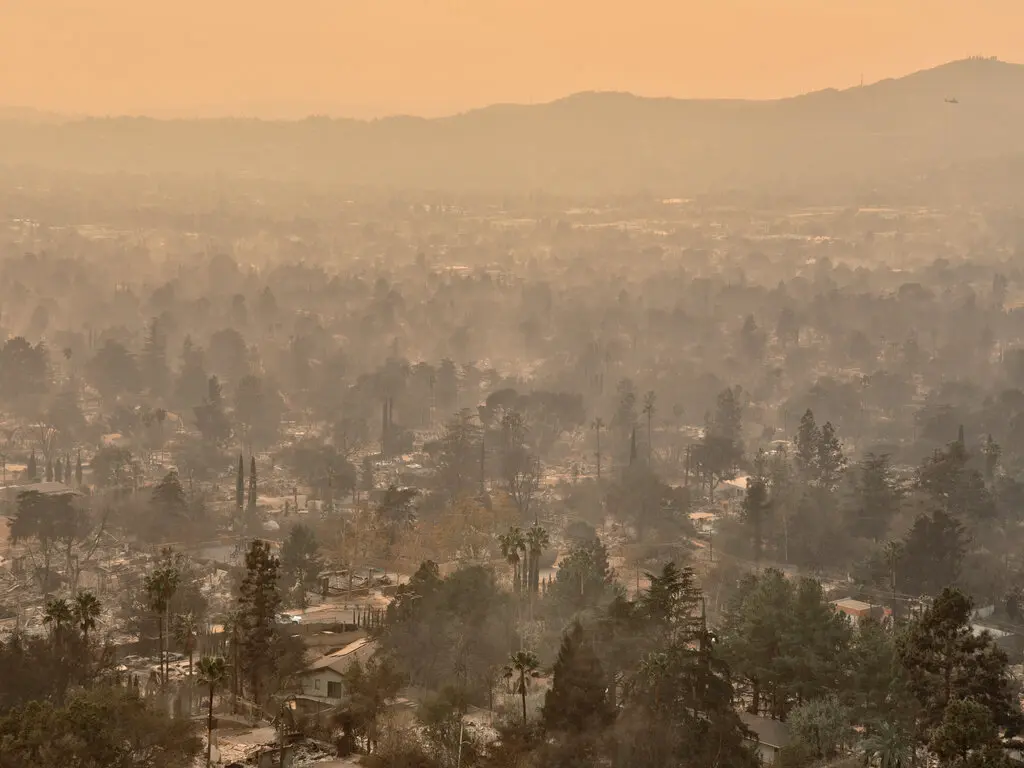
<point x="31" y="469"/>
<point x="577" y="701"/>
<point x="191" y="386"/>
<point x="946" y="662"/>
<point x="955" y="486"/>
<point x="670" y="604"/>
<point x="808" y="437"/>
<point x="78" y="470"/>
<point x="58" y="470"/>
<point x="720" y="450"/>
<point x="782" y="640"/>
<point x="751" y="338"/>
<point x="617" y="642"/>
<point x="757" y="507"/>
<point x="876" y="689"/>
<point x="624" y="419"/>
<point x="240" y="486"/>
<point x="300" y="560"/>
<point x="258" y="604"/>
<point x="933" y="553"/>
<point x="459" y="456"/>
<point x="875" y="498"/>
<point x="967" y="730"/>
<point x="169" y="496"/>
<point x="252" y="487"/>
<point x="257" y="412"/>
<point x="679" y="712"/>
<point x="821" y="727"/>
<point x="153" y="361"/>
<point x="992" y="452"/>
<point x="211" y="420"/>
<point x="169" y="502"/>
<point x="830" y="459"/>
<point x="103" y="725"/>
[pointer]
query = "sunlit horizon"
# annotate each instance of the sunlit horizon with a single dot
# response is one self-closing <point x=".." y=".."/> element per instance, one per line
<point x="444" y="57"/>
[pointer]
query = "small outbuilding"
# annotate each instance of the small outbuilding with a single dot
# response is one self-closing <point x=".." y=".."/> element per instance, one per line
<point x="770" y="736"/>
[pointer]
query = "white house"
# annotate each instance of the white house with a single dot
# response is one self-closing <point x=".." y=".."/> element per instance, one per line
<point x="736" y="488"/>
<point x="323" y="679"/>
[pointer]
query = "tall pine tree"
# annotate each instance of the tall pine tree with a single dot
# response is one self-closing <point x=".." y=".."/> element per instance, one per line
<point x="670" y="604"/>
<point x="946" y="662"/>
<point x="577" y="701"/>
<point x="258" y="605"/>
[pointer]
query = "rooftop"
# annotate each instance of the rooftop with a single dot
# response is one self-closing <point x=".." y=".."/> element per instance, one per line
<point x="46" y="487"/>
<point x="849" y="605"/>
<point x="740" y="483"/>
<point x="340" y="660"/>
<point x="770" y="732"/>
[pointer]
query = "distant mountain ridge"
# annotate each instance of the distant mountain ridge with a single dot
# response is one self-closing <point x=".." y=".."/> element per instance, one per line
<point x="584" y="143"/>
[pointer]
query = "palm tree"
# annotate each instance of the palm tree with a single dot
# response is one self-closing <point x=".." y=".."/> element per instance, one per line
<point x="212" y="672"/>
<point x="889" y="745"/>
<point x="186" y="634"/>
<point x="537" y="540"/>
<point x="160" y="588"/>
<point x="598" y="425"/>
<point x="524" y="663"/>
<point x="511" y="543"/>
<point x="58" y="615"/>
<point x="87" y="609"/>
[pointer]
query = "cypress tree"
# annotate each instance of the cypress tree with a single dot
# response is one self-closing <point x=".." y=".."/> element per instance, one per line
<point x="577" y="701"/>
<point x="58" y="470"/>
<point x="32" y="470"/>
<point x="78" y="470"/>
<point x="240" y="484"/>
<point x="252" y="484"/>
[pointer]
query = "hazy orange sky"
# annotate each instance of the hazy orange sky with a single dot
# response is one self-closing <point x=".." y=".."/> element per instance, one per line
<point x="366" y="57"/>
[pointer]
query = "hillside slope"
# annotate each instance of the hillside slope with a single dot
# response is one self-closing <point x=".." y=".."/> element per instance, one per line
<point x="593" y="142"/>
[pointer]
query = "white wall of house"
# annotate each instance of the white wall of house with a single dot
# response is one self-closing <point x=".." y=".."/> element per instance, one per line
<point x="323" y="682"/>
<point x="766" y="753"/>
